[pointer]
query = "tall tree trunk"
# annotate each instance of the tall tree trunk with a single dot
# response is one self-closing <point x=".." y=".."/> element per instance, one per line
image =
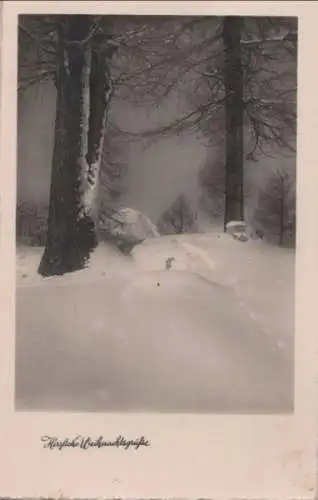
<point x="83" y="94"/>
<point x="234" y="109"/>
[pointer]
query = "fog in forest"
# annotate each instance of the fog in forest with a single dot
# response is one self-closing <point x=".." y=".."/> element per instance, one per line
<point x="157" y="174"/>
<point x="168" y="248"/>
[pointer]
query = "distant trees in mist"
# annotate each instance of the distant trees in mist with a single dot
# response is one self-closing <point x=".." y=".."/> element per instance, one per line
<point x="31" y="223"/>
<point x="235" y="76"/>
<point x="275" y="214"/>
<point x="178" y="218"/>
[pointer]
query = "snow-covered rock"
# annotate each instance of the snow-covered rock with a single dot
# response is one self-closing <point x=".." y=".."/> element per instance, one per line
<point x="235" y="226"/>
<point x="238" y="230"/>
<point x="127" y="227"/>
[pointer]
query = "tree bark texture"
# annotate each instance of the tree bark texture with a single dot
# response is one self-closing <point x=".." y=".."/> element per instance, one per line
<point x="234" y="110"/>
<point x="83" y="94"/>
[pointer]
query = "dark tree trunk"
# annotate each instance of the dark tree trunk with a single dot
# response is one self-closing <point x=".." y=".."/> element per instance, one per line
<point x="234" y="109"/>
<point x="83" y="93"/>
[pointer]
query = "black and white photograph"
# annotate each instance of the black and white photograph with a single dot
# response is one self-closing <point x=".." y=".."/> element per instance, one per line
<point x="156" y="213"/>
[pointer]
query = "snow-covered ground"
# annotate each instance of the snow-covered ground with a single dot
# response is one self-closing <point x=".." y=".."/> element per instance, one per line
<point x="189" y="323"/>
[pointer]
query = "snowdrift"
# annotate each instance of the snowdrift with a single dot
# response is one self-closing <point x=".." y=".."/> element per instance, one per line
<point x="211" y="331"/>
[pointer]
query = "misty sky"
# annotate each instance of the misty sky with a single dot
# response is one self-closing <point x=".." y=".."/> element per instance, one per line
<point x="156" y="176"/>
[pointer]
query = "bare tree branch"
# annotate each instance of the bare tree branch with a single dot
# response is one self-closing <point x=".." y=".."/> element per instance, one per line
<point x="275" y="39"/>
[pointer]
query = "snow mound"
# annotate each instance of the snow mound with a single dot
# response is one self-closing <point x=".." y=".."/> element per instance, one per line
<point x="196" y="322"/>
<point x="160" y="341"/>
<point x="261" y="275"/>
<point x="172" y="253"/>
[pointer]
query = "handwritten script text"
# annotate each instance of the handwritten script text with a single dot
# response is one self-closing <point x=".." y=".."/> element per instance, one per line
<point x="86" y="443"/>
